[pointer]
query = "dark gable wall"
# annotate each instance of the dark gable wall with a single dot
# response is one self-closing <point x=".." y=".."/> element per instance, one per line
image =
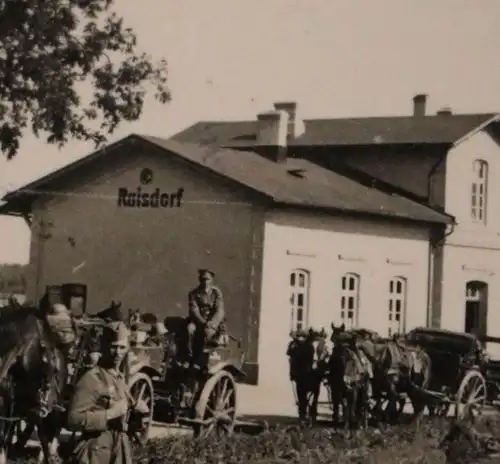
<point x="148" y="258"/>
<point x="405" y="167"/>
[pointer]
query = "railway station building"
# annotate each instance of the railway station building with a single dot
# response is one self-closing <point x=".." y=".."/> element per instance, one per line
<point x="386" y="223"/>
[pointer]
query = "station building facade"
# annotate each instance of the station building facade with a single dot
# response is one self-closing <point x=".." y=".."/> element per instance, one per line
<point x="300" y="221"/>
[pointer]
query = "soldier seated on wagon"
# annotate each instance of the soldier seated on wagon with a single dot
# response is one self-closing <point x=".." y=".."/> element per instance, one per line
<point x="206" y="314"/>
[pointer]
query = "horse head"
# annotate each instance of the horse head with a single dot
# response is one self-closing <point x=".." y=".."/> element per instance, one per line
<point x="112" y="312"/>
<point x="337" y="331"/>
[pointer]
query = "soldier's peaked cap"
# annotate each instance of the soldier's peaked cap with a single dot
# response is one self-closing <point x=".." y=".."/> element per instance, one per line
<point x="202" y="272"/>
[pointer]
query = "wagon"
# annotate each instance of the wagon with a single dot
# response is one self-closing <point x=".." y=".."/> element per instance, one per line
<point x="139" y="371"/>
<point x="203" y="397"/>
<point x="458" y="369"/>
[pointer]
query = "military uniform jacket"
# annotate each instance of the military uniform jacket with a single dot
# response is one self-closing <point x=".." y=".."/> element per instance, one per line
<point x="101" y="443"/>
<point x="208" y="306"/>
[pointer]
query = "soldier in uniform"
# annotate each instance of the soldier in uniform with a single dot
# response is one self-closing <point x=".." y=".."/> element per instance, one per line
<point x="101" y="403"/>
<point x="60" y="320"/>
<point x="206" y="310"/>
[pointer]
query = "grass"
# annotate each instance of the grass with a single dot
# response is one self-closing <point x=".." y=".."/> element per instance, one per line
<point x="435" y="441"/>
<point x="430" y="443"/>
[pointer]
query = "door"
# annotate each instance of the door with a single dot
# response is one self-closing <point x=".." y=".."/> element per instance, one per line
<point x="476" y="308"/>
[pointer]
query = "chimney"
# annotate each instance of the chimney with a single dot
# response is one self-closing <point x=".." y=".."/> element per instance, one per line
<point x="444" y="111"/>
<point x="295" y="125"/>
<point x="272" y="131"/>
<point x="419" y="102"/>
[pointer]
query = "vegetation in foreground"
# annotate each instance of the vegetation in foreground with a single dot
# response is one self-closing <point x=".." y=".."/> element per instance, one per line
<point x="435" y="441"/>
<point x="432" y="442"/>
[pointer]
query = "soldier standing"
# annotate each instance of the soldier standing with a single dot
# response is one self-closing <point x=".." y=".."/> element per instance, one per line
<point x="100" y="405"/>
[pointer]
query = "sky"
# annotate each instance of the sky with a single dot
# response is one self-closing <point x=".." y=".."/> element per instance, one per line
<point x="231" y="59"/>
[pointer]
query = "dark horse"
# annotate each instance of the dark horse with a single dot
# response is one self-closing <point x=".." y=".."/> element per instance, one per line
<point x="49" y="424"/>
<point x="398" y="370"/>
<point x="348" y="381"/>
<point x="308" y="356"/>
<point x="33" y="373"/>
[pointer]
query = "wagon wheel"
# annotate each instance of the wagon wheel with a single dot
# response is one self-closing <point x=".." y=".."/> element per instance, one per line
<point x="216" y="407"/>
<point x="471" y="396"/>
<point x="141" y="388"/>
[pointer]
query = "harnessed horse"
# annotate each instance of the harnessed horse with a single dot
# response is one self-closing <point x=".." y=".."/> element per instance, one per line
<point x="349" y="382"/>
<point x="308" y="356"/>
<point x="32" y="377"/>
<point x="398" y="370"/>
<point x="51" y="422"/>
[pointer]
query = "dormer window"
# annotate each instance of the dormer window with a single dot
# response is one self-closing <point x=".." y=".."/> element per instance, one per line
<point x="479" y="191"/>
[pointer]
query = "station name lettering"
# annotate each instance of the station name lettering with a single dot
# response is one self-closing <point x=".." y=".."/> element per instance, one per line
<point x="156" y="199"/>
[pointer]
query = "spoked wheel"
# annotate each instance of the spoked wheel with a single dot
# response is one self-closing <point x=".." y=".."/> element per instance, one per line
<point x="216" y="407"/>
<point x="141" y="389"/>
<point x="471" y="396"/>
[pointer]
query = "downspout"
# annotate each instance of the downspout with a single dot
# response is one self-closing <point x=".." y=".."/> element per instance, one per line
<point x="432" y="245"/>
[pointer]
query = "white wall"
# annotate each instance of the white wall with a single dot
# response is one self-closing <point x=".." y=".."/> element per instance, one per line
<point x="314" y="242"/>
<point x="459" y="173"/>
<point x="463" y="264"/>
<point x="472" y="251"/>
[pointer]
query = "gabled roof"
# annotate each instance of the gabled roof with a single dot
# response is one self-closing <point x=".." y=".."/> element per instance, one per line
<point x="296" y="182"/>
<point x="438" y="129"/>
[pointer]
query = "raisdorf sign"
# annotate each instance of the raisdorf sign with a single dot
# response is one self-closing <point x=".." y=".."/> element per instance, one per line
<point x="139" y="198"/>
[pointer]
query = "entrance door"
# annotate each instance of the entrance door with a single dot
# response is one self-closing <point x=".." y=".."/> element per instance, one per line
<point x="476" y="308"/>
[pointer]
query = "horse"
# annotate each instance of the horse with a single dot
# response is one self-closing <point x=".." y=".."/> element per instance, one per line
<point x="398" y="369"/>
<point x="50" y="425"/>
<point x="349" y="382"/>
<point x="308" y="357"/>
<point x="33" y="373"/>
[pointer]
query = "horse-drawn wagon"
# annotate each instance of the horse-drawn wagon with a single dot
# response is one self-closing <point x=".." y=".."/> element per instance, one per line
<point x="201" y="395"/>
<point x="459" y="371"/>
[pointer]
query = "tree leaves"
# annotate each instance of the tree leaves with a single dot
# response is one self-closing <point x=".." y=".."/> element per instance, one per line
<point x="49" y="49"/>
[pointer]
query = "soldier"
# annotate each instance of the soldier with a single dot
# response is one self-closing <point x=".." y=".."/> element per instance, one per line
<point x="101" y="404"/>
<point x="206" y="310"/>
<point x="61" y="322"/>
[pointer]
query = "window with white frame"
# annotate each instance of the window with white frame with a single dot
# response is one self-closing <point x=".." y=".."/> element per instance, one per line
<point x="397" y="306"/>
<point x="479" y="190"/>
<point x="299" y="299"/>
<point x="349" y="300"/>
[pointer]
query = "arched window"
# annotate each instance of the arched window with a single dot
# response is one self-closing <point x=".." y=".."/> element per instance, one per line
<point x="299" y="299"/>
<point x="349" y="300"/>
<point x="479" y="190"/>
<point x="476" y="307"/>
<point x="397" y="306"/>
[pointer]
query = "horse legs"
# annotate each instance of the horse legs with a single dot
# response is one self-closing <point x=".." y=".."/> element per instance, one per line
<point x="351" y="402"/>
<point x="336" y="399"/>
<point x="302" y="400"/>
<point x="313" y="408"/>
<point x="23" y="435"/>
<point x="49" y="430"/>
